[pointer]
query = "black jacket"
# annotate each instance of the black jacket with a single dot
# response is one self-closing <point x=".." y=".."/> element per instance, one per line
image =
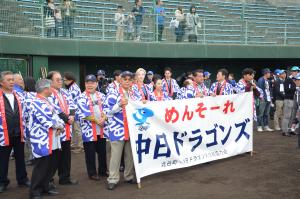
<point x="12" y="117"/>
<point x="289" y="89"/>
<point x="277" y="95"/>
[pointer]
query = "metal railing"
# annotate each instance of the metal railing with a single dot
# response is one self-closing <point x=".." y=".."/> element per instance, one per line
<point x="21" y="18"/>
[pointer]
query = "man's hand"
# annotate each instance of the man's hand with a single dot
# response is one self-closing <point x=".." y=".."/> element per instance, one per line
<point x="144" y="101"/>
<point x="214" y="94"/>
<point x="199" y="95"/>
<point x="123" y="102"/>
<point x="71" y="120"/>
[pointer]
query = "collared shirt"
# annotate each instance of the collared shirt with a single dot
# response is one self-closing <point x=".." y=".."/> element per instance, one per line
<point x="11" y="99"/>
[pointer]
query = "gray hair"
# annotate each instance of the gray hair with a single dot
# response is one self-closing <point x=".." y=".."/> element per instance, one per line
<point x="3" y="74"/>
<point x="42" y="84"/>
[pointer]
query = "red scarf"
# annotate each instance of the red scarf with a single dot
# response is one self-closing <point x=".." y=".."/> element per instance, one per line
<point x="50" y="132"/>
<point x="125" y="121"/>
<point x="170" y="93"/>
<point x="65" y="108"/>
<point x="222" y="88"/>
<point x="93" y="111"/>
<point x="161" y="98"/>
<point x="3" y="116"/>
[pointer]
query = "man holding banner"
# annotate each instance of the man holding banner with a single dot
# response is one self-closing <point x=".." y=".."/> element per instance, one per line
<point x="92" y="119"/>
<point x="115" y="104"/>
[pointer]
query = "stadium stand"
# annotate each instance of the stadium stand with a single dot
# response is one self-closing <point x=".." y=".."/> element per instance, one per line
<point x="222" y="22"/>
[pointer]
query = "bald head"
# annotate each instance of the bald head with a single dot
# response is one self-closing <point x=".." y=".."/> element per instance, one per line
<point x="18" y="79"/>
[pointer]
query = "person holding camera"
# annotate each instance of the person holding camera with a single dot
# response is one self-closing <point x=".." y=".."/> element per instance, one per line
<point x="102" y="81"/>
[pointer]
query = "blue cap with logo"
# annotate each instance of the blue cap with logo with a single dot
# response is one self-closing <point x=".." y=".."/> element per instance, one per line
<point x="90" y="78"/>
<point x="101" y="72"/>
<point x="279" y="71"/>
<point x="150" y="72"/>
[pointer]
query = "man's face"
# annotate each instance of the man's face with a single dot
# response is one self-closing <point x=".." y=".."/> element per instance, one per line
<point x="248" y="77"/>
<point x="67" y="82"/>
<point x="100" y="77"/>
<point x="57" y="81"/>
<point x="267" y="75"/>
<point x="294" y="73"/>
<point x="150" y="77"/>
<point x="199" y="78"/>
<point x="220" y="77"/>
<point x="48" y="92"/>
<point x="282" y="75"/>
<point x="8" y="82"/>
<point x="168" y="74"/>
<point x="90" y="86"/>
<point x="297" y="82"/>
<point x="139" y="3"/>
<point x="126" y="82"/>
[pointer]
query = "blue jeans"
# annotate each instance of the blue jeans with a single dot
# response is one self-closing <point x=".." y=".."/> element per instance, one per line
<point x="137" y="30"/>
<point x="68" y="25"/>
<point x="264" y="113"/>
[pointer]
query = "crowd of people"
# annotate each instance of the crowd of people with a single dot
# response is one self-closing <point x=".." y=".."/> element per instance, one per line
<point x="54" y="121"/>
<point x="128" y="26"/>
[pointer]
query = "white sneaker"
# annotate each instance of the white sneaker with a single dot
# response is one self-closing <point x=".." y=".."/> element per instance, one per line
<point x="267" y="128"/>
<point x="259" y="129"/>
<point x="278" y="129"/>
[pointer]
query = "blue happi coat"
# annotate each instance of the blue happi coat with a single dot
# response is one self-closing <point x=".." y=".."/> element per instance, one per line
<point x="144" y="91"/>
<point x="228" y="89"/>
<point x="165" y="97"/>
<point x="190" y="91"/>
<point x="115" y="114"/>
<point x="84" y="111"/>
<point x="112" y="87"/>
<point x="174" y="88"/>
<point x="71" y="105"/>
<point x="41" y="122"/>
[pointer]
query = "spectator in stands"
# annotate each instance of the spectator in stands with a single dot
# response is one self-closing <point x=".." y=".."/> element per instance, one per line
<point x="278" y="96"/>
<point x="180" y="30"/>
<point x="120" y="20"/>
<point x="68" y="14"/>
<point x="265" y="103"/>
<point x="130" y="26"/>
<point x="160" y="19"/>
<point x="138" y="11"/>
<point x="207" y="80"/>
<point x="192" y="23"/>
<point x="289" y="92"/>
<point x="51" y="22"/>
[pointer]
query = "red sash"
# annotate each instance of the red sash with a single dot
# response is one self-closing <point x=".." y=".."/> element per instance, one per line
<point x="222" y="88"/>
<point x="125" y="121"/>
<point x="50" y="132"/>
<point x="93" y="111"/>
<point x="3" y="117"/>
<point x="161" y="98"/>
<point x="170" y="93"/>
<point x="142" y="92"/>
<point x="65" y="108"/>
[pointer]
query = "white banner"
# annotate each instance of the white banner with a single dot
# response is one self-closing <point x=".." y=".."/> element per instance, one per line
<point x="181" y="133"/>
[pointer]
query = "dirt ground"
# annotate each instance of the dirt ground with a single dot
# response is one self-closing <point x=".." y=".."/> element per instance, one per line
<point x="269" y="174"/>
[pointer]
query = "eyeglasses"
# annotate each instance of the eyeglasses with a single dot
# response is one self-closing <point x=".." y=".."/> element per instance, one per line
<point x="58" y="80"/>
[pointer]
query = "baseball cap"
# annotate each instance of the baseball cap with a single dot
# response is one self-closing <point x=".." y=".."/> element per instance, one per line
<point x="295" y="68"/>
<point x="101" y="72"/>
<point x="150" y="72"/>
<point x="206" y="73"/>
<point x="126" y="74"/>
<point x="265" y="71"/>
<point x="90" y="78"/>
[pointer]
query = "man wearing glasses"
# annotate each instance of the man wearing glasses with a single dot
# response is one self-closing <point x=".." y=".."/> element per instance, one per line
<point x="114" y="108"/>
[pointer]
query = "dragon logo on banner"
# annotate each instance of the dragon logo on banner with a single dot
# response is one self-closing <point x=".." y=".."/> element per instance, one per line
<point x="141" y="116"/>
